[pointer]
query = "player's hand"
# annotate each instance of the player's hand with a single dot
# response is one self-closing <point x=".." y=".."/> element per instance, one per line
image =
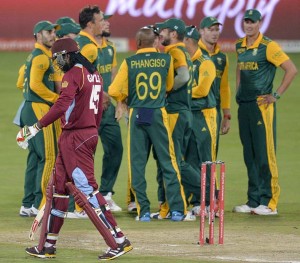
<point x="266" y="100"/>
<point x="25" y="134"/>
<point x="106" y="101"/>
<point x="120" y="109"/>
<point x="225" y="126"/>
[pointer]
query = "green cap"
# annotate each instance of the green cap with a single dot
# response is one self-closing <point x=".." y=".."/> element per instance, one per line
<point x="252" y="14"/>
<point x="159" y="25"/>
<point x="64" y="20"/>
<point x="209" y="21"/>
<point x="174" y="24"/>
<point x="67" y="28"/>
<point x="44" y="25"/>
<point x="107" y="16"/>
<point x="192" y="32"/>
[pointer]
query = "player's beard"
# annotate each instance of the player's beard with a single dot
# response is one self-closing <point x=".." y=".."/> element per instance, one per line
<point x="166" y="42"/>
<point x="105" y="34"/>
<point x="63" y="63"/>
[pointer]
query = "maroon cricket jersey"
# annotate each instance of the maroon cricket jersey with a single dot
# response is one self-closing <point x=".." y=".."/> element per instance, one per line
<point x="80" y="102"/>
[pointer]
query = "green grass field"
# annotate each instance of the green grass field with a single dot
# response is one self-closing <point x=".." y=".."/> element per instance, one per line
<point x="247" y="238"/>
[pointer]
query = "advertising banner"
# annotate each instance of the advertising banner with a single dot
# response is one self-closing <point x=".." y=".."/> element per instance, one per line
<point x="280" y="17"/>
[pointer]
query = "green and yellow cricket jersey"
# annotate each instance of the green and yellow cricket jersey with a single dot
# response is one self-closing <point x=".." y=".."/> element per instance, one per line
<point x="39" y="94"/>
<point x="89" y="48"/>
<point x="257" y="65"/>
<point x="149" y="92"/>
<point x="180" y="99"/>
<point x="221" y="87"/>
<point x="203" y="84"/>
<point x="39" y="83"/>
<point x="107" y="56"/>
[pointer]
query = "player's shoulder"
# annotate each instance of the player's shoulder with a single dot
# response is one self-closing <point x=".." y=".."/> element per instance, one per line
<point x="266" y="40"/>
<point x="239" y="41"/>
<point x="203" y="57"/>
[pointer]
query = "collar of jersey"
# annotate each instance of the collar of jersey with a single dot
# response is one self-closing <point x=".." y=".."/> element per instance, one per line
<point x="216" y="50"/>
<point x="147" y="49"/>
<point x="179" y="44"/>
<point x="47" y="51"/>
<point x="104" y="42"/>
<point x="255" y="44"/>
<point x="197" y="54"/>
<point x="90" y="37"/>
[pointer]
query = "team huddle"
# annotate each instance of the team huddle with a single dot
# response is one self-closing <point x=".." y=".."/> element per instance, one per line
<point x="177" y="103"/>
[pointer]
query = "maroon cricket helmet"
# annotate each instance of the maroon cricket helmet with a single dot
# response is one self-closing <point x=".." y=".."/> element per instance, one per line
<point x="64" y="46"/>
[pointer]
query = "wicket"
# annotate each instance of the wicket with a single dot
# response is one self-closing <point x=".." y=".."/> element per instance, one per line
<point x="212" y="201"/>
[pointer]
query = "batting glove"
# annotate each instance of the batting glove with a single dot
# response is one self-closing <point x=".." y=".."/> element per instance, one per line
<point x="25" y="134"/>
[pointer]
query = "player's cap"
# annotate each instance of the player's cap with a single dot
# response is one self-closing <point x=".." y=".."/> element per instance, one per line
<point x="64" y="46"/>
<point x="44" y="25"/>
<point x="107" y="16"/>
<point x="175" y="24"/>
<point x="67" y="28"/>
<point x="209" y="21"/>
<point x="192" y="32"/>
<point x="253" y="15"/>
<point x="64" y="20"/>
<point x="158" y="25"/>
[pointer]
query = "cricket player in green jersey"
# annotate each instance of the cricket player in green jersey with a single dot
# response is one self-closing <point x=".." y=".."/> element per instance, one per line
<point x="144" y="79"/>
<point x="257" y="60"/>
<point x="109" y="130"/>
<point x="210" y="33"/>
<point x="172" y="33"/>
<point x="203" y="140"/>
<point x="39" y="90"/>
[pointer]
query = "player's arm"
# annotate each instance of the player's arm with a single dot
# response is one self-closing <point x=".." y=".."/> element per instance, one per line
<point x="56" y="111"/>
<point x="225" y="94"/>
<point x="237" y="80"/>
<point x="118" y="89"/>
<point x="40" y="65"/>
<point x="181" y="68"/>
<point x="276" y="56"/>
<point x="114" y="65"/>
<point x="170" y="76"/>
<point x="58" y="75"/>
<point x="290" y="73"/>
<point x="207" y="75"/>
<point x="21" y="77"/>
<point x="279" y="58"/>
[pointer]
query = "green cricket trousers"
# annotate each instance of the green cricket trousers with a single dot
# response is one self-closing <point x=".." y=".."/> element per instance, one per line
<point x="257" y="127"/>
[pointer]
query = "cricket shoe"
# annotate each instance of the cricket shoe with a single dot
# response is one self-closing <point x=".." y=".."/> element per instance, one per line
<point x="34" y="211"/>
<point x="189" y="217"/>
<point x="132" y="207"/>
<point x="158" y="216"/>
<point x="111" y="254"/>
<point x="46" y="252"/>
<point x="242" y="209"/>
<point x="177" y="216"/>
<point x="264" y="211"/>
<point x="196" y="210"/>
<point x="112" y="205"/>
<point x="77" y="215"/>
<point x="25" y="211"/>
<point x="144" y="218"/>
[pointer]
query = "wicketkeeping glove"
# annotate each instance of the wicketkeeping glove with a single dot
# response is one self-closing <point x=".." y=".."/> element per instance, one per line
<point x="25" y="134"/>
